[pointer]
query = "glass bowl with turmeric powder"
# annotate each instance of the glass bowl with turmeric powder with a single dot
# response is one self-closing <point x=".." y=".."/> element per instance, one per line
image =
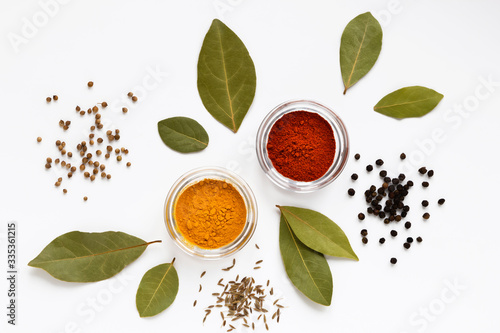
<point x="302" y="146"/>
<point x="210" y="212"/>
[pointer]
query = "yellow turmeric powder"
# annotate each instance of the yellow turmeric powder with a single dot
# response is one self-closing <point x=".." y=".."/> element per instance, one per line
<point x="210" y="213"/>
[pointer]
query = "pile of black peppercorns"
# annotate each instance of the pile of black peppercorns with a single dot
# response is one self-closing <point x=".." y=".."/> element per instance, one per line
<point x="387" y="201"/>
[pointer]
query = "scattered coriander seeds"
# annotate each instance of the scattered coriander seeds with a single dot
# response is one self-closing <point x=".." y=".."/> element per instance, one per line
<point x="107" y="155"/>
<point x="134" y="98"/>
<point x="48" y="99"/>
<point x="104" y="104"/>
<point x="39" y="139"/>
<point x="118" y="158"/>
<point x="124" y="110"/>
<point x="108" y="176"/>
<point x="78" y="109"/>
<point x="65" y="191"/>
<point x="98" y="152"/>
<point x="55" y="97"/>
<point x="129" y="164"/>
<point x="85" y="198"/>
<point x="90" y="84"/>
<point x="130" y="94"/>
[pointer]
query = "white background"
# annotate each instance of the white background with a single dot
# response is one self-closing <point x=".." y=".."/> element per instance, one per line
<point x="450" y="46"/>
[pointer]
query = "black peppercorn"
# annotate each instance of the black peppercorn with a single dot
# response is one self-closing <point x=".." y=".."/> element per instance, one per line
<point x="422" y="170"/>
<point x="357" y="156"/>
<point x="430" y="173"/>
<point x="409" y="240"/>
<point x="369" y="167"/>
<point x="394" y="261"/>
<point x="394" y="233"/>
<point x="402" y="156"/>
<point x="407" y="245"/>
<point x="410" y="183"/>
<point x="426" y="216"/>
<point x="361" y="216"/>
<point x="401" y="176"/>
<point x="425" y="184"/>
<point x="419" y="239"/>
<point x="364" y="232"/>
<point x="441" y="201"/>
<point x="381" y="240"/>
<point x="379" y="162"/>
<point x="382" y="173"/>
<point x="407" y="225"/>
<point x="364" y="240"/>
<point x="387" y="179"/>
<point x="425" y="203"/>
<point x="351" y="192"/>
<point x="354" y="176"/>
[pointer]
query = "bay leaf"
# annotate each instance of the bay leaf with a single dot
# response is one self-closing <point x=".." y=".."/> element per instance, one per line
<point x="360" y="47"/>
<point x="307" y="269"/>
<point x="226" y="76"/>
<point x="183" y="134"/>
<point x="318" y="232"/>
<point x="415" y="101"/>
<point x="157" y="290"/>
<point x="88" y="257"/>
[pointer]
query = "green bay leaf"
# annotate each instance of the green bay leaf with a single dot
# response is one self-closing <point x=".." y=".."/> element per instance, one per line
<point x="360" y="47"/>
<point x="183" y="134"/>
<point x="88" y="257"/>
<point x="157" y="290"/>
<point x="226" y="76"/>
<point x="307" y="269"/>
<point x="408" y="102"/>
<point x="318" y="232"/>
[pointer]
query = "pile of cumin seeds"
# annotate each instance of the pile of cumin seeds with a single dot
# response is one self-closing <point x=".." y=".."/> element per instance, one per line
<point x="245" y="302"/>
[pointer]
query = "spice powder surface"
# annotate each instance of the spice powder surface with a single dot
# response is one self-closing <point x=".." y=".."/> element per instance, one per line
<point x="301" y="146"/>
<point x="210" y="213"/>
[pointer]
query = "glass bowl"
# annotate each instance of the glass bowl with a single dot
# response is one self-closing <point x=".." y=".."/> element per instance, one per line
<point x="341" y="143"/>
<point x="195" y="176"/>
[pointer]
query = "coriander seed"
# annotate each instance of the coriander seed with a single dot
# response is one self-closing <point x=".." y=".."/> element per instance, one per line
<point x="39" y="139"/>
<point x="118" y="158"/>
<point x="90" y="84"/>
<point x="48" y="99"/>
<point x="134" y="98"/>
<point x="124" y="110"/>
<point x="129" y="164"/>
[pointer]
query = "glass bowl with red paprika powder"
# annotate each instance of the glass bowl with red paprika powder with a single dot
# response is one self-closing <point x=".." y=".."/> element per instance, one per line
<point x="302" y="145"/>
<point x="210" y="212"/>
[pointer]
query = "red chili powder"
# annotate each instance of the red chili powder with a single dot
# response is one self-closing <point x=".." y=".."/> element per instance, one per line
<point x="301" y="146"/>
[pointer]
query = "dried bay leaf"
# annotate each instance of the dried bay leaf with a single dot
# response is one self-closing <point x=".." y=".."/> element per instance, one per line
<point x="226" y="76"/>
<point x="183" y="134"/>
<point x="89" y="257"/>
<point x="307" y="269"/>
<point x="360" y="47"/>
<point x="157" y="290"/>
<point x="415" y="101"/>
<point x="318" y="232"/>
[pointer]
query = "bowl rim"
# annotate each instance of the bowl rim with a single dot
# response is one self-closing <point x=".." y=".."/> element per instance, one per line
<point x="211" y="172"/>
<point x="341" y="142"/>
